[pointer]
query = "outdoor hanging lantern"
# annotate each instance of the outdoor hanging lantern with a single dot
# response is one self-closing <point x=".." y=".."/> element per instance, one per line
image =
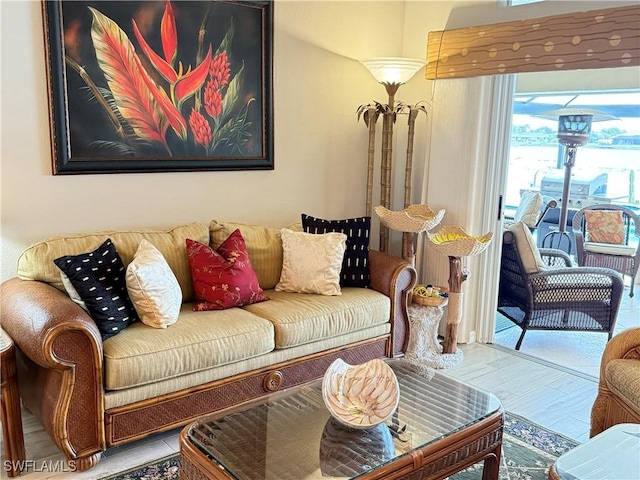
<point x="574" y="130"/>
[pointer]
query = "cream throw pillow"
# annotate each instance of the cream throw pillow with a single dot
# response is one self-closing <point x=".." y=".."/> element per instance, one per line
<point x="153" y="287"/>
<point x="527" y="248"/>
<point x="530" y="208"/>
<point x="311" y="263"/>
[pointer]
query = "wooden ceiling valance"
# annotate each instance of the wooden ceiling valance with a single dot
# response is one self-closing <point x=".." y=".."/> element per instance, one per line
<point x="606" y="38"/>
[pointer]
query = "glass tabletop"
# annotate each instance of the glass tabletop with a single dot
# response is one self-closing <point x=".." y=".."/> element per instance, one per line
<point x="613" y="454"/>
<point x="292" y="436"/>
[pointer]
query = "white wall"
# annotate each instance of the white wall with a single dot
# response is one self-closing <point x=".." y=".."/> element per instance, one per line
<point x="320" y="148"/>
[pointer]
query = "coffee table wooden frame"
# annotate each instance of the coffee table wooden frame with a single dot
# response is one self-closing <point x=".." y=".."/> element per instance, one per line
<point x="440" y="459"/>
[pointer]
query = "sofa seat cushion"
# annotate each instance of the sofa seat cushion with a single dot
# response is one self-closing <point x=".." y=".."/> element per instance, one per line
<point x="36" y="262"/>
<point x="118" y="398"/>
<point x="301" y="318"/>
<point x="623" y="378"/>
<point x="197" y="341"/>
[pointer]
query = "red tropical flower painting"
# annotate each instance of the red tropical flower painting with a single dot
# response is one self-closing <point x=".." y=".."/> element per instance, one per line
<point x="160" y="85"/>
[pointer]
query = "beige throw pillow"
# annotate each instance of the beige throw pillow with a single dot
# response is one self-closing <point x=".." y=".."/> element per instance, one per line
<point x="530" y="208"/>
<point x="153" y="287"/>
<point x="311" y="263"/>
<point x="527" y="248"/>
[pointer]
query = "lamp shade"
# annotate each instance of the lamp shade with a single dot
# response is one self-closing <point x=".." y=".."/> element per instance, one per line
<point x="395" y="70"/>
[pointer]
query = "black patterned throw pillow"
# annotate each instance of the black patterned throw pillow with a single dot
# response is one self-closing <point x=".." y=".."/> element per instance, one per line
<point x="100" y="279"/>
<point x="355" y="265"/>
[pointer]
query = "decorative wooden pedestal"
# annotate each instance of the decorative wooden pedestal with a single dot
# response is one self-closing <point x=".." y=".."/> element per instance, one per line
<point x="423" y="348"/>
<point x="457" y="275"/>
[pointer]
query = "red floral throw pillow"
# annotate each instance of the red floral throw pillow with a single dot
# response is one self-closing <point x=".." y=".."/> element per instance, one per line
<point x="223" y="278"/>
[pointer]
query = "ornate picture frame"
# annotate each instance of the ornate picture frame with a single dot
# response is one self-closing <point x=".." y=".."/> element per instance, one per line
<point x="159" y="86"/>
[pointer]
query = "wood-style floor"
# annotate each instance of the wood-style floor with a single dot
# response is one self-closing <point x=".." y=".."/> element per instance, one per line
<point x="553" y="396"/>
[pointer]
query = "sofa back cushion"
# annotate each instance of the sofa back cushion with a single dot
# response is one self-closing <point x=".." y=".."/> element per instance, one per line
<point x="264" y="246"/>
<point x="36" y="262"/>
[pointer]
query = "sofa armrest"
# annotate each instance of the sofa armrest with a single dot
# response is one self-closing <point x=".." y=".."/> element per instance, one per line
<point x="624" y="345"/>
<point x="605" y="411"/>
<point x="394" y="277"/>
<point x="555" y="258"/>
<point x="60" y="353"/>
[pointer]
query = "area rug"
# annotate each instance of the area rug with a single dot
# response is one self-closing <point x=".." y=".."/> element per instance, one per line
<point x="528" y="452"/>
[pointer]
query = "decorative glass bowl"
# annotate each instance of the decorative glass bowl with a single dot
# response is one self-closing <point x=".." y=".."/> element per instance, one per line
<point x="414" y="218"/>
<point x="455" y="242"/>
<point x="360" y="396"/>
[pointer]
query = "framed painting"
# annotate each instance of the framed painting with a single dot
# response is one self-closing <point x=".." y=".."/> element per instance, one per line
<point x="157" y="86"/>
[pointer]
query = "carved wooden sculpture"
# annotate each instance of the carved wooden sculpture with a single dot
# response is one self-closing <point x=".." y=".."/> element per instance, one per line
<point x="456" y="243"/>
<point x="457" y="275"/>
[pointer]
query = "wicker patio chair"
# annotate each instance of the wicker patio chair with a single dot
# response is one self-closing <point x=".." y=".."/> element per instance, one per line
<point x="622" y="256"/>
<point x="550" y="293"/>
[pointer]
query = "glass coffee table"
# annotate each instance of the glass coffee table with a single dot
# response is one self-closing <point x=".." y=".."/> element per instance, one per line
<point x="441" y="426"/>
<point x="611" y="455"/>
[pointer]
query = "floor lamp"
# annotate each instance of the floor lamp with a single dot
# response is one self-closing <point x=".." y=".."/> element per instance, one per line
<point x="574" y="128"/>
<point x="391" y="72"/>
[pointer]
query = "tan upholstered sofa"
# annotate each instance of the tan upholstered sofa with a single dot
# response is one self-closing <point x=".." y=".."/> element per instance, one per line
<point x="618" y="399"/>
<point x="91" y="395"/>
